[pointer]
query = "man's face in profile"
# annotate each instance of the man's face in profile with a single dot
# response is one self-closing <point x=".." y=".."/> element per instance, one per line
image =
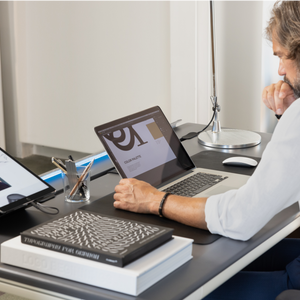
<point x="287" y="68"/>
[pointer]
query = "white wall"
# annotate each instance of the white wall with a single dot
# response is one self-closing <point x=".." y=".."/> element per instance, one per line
<point x="190" y="65"/>
<point x="97" y="61"/>
<point x="238" y="62"/>
<point x="7" y="44"/>
<point x="239" y="40"/>
<point x="2" y="137"/>
<point x="83" y="64"/>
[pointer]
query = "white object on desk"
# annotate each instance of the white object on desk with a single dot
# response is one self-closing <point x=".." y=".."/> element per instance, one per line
<point x="132" y="279"/>
<point x="240" y="161"/>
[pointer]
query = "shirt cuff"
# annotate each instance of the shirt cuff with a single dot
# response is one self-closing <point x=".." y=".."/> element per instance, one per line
<point x="212" y="215"/>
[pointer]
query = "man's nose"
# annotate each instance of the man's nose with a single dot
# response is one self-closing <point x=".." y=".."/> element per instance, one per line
<point x="281" y="69"/>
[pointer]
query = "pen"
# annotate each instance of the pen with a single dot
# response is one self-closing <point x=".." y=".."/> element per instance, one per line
<point x="81" y="178"/>
<point x="57" y="162"/>
<point x="82" y="187"/>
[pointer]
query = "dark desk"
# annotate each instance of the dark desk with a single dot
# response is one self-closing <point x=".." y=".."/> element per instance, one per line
<point x="211" y="265"/>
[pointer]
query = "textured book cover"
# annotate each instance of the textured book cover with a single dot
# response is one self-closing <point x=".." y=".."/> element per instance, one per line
<point x="97" y="237"/>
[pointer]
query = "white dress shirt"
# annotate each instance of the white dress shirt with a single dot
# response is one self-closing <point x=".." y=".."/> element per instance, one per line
<point x="274" y="185"/>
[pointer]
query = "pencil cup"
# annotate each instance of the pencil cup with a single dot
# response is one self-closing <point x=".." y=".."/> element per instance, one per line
<point x="76" y="186"/>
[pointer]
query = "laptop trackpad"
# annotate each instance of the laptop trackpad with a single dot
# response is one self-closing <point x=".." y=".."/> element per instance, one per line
<point x="218" y="190"/>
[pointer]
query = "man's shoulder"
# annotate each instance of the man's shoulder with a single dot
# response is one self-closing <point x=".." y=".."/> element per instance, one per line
<point x="292" y="111"/>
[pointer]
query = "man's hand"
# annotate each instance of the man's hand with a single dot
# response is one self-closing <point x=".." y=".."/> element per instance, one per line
<point x="137" y="196"/>
<point x="278" y="97"/>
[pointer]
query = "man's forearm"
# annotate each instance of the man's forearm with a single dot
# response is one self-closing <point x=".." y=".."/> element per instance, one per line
<point x="139" y="196"/>
<point x="189" y="211"/>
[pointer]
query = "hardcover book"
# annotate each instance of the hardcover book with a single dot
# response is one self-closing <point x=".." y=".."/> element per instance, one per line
<point x="133" y="279"/>
<point x="97" y="237"/>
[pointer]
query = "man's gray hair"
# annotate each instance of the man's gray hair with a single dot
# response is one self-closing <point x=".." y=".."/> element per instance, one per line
<point x="284" y="27"/>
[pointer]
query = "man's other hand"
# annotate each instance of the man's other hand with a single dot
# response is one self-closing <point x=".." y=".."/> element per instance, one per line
<point x="278" y="97"/>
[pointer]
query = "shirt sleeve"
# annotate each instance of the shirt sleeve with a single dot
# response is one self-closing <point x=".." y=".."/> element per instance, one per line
<point x="274" y="185"/>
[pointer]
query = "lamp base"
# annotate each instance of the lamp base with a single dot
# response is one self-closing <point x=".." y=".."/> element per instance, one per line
<point x="229" y="139"/>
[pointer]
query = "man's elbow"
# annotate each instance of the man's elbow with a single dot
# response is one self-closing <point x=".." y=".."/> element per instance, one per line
<point x="243" y="235"/>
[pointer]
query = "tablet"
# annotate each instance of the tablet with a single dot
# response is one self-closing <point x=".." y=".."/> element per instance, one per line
<point x="19" y="186"/>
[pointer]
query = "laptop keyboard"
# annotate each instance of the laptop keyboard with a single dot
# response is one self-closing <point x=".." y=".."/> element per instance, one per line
<point x="194" y="184"/>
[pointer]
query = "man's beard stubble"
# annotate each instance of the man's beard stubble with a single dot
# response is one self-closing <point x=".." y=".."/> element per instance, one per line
<point x="296" y="86"/>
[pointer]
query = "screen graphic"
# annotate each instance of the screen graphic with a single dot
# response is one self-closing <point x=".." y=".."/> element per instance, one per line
<point x="15" y="181"/>
<point x="139" y="148"/>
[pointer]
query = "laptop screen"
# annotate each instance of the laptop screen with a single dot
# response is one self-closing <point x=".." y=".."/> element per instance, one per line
<point x="18" y="185"/>
<point x="144" y="146"/>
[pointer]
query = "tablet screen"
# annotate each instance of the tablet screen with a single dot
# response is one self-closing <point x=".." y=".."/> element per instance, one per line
<point x="18" y="185"/>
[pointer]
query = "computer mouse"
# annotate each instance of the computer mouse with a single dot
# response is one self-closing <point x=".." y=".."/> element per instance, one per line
<point x="239" y="161"/>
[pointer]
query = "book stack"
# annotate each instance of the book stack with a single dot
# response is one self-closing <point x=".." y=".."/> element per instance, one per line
<point x="98" y="237"/>
<point x="68" y="248"/>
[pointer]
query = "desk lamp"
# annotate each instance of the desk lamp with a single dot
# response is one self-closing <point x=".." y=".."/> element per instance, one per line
<point x="217" y="137"/>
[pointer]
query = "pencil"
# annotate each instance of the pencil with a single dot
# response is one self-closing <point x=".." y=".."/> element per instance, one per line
<point x="81" y="178"/>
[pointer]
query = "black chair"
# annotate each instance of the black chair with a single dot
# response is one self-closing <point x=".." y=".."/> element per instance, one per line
<point x="289" y="295"/>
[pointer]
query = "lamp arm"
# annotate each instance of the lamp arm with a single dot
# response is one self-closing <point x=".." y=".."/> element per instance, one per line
<point x="226" y="138"/>
<point x="216" y="127"/>
<point x="213" y="48"/>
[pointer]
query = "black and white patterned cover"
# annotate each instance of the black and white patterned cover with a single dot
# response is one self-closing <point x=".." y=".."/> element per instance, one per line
<point x="97" y="237"/>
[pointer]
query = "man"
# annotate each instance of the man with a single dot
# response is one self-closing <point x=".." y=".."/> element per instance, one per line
<point x="239" y="214"/>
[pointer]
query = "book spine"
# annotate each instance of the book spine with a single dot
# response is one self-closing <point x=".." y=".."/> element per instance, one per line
<point x="71" y="250"/>
<point x="133" y="279"/>
<point x="77" y="270"/>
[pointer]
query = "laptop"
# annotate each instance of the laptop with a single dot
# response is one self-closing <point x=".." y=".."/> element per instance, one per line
<point x="144" y="146"/>
<point x="19" y="187"/>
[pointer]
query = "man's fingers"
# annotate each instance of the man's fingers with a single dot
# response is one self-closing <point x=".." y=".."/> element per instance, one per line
<point x="285" y="90"/>
<point x="124" y="184"/>
<point x="121" y="205"/>
<point x="124" y="189"/>
<point x="270" y="97"/>
<point x="278" y="97"/>
<point x="281" y="90"/>
<point x="121" y="198"/>
<point x="124" y="181"/>
<point x="265" y="98"/>
<point x="123" y="201"/>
